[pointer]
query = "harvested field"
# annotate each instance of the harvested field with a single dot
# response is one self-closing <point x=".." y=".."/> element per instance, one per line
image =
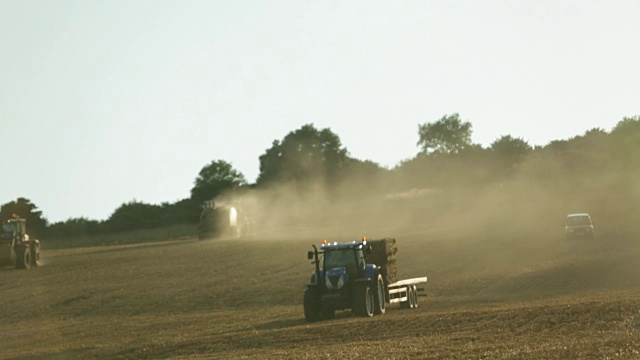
<point x="488" y="298"/>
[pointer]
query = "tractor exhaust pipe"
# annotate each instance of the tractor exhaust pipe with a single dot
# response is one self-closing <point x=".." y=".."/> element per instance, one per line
<point x="317" y="261"/>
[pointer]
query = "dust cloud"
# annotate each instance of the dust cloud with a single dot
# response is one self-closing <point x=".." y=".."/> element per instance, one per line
<point x="516" y="208"/>
<point x="508" y="229"/>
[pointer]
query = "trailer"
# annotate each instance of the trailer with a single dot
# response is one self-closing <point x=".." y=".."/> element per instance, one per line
<point x="359" y="276"/>
<point x="405" y="292"/>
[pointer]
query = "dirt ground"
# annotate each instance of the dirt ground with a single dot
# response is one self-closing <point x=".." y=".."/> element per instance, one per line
<point x="511" y="295"/>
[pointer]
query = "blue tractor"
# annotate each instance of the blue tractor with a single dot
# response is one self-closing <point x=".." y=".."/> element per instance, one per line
<point x="343" y="281"/>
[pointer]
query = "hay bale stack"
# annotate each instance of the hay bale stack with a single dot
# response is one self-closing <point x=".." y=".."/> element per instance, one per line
<point x="383" y="254"/>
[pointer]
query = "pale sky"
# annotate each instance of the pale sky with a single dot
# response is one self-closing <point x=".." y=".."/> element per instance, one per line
<point x="104" y="102"/>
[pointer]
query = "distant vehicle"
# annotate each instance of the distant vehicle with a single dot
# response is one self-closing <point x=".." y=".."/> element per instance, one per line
<point x="222" y="220"/>
<point x="579" y="226"/>
<point x="16" y="248"/>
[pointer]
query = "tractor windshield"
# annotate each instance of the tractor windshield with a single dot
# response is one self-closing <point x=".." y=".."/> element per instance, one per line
<point x="339" y="258"/>
<point x="350" y="258"/>
<point x="9" y="227"/>
<point x="8" y="230"/>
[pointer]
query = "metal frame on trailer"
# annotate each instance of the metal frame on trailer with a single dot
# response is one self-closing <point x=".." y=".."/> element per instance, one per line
<point x="399" y="291"/>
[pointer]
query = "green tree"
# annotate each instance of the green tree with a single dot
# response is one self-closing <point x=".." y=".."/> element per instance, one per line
<point x="626" y="136"/>
<point x="25" y="209"/>
<point x="509" y="146"/>
<point x="75" y="227"/>
<point x="448" y="135"/>
<point x="628" y="127"/>
<point x="304" y="154"/>
<point x="214" y="179"/>
<point x="510" y="151"/>
<point x="135" y="215"/>
<point x="361" y="176"/>
<point x="365" y="168"/>
<point x="182" y="212"/>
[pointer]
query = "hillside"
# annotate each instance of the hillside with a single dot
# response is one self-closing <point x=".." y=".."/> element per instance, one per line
<point x="491" y="295"/>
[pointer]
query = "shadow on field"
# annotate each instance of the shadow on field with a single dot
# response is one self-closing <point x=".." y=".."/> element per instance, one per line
<point x="289" y="323"/>
<point x="65" y="354"/>
<point x="8" y="268"/>
<point x="281" y="324"/>
<point x="125" y="248"/>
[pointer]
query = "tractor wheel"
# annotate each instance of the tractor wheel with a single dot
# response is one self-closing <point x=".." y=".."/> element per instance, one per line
<point x="23" y="258"/>
<point x="35" y="256"/>
<point x="408" y="304"/>
<point x="363" y="301"/>
<point x="379" y="307"/>
<point x="311" y="305"/>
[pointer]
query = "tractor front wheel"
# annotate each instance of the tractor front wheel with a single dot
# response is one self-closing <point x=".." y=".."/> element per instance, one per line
<point x="311" y="305"/>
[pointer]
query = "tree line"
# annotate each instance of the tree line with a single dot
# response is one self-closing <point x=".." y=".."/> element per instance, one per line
<point x="447" y="158"/>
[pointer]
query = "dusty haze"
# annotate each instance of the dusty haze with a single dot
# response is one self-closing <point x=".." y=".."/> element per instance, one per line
<point x="503" y="281"/>
<point x="501" y="227"/>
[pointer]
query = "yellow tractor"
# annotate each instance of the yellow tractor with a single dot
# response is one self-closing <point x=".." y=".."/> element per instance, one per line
<point x="16" y="248"/>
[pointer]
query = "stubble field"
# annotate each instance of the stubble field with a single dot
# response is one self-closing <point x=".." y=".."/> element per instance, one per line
<point x="509" y="296"/>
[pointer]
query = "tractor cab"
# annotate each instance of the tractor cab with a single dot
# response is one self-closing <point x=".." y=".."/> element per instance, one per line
<point x="350" y="257"/>
<point x="8" y="230"/>
<point x="340" y="265"/>
<point x="12" y="228"/>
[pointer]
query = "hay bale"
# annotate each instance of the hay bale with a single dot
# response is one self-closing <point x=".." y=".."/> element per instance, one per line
<point x="383" y="247"/>
<point x="383" y="254"/>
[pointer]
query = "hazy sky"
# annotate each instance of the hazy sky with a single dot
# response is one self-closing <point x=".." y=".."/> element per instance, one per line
<point x="104" y="102"/>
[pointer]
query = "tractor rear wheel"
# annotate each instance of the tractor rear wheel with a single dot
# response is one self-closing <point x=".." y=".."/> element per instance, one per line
<point x="363" y="301"/>
<point x="35" y="256"/>
<point x="379" y="297"/>
<point x="311" y="305"/>
<point x="23" y="258"/>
